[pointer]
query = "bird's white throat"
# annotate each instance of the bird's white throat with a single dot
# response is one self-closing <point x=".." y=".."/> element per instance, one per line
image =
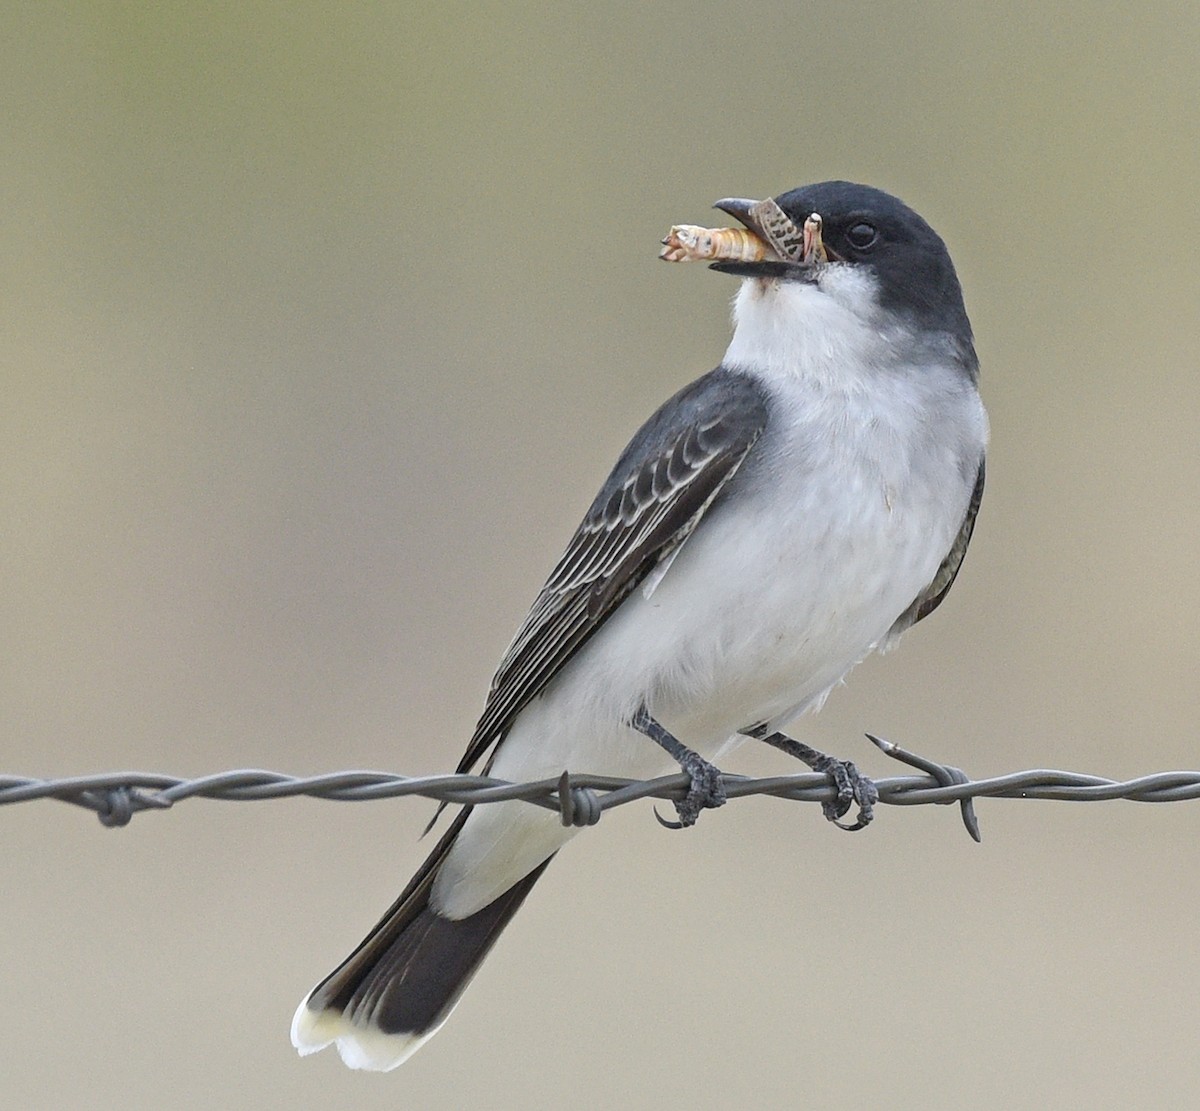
<point x="830" y="331"/>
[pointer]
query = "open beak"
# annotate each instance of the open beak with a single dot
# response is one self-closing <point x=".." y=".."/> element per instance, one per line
<point x="792" y="252"/>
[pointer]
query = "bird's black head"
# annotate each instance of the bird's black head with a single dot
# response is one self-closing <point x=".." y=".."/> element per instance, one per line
<point x="866" y="227"/>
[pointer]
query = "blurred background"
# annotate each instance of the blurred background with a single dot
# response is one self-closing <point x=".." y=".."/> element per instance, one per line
<point x="320" y="329"/>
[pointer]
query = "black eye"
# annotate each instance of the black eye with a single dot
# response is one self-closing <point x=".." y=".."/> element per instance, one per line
<point x="862" y="235"/>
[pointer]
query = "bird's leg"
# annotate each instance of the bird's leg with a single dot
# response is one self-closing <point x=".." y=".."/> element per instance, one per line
<point x="706" y="789"/>
<point x="851" y="785"/>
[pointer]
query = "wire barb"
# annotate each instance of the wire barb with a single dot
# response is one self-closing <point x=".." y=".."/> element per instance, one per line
<point x="581" y="799"/>
<point x="579" y="806"/>
<point x="943" y="773"/>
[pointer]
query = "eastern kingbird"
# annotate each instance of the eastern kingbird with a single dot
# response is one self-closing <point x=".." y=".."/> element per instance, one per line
<point x="768" y="527"/>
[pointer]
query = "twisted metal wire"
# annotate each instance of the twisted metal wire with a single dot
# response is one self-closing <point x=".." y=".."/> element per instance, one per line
<point x="581" y="799"/>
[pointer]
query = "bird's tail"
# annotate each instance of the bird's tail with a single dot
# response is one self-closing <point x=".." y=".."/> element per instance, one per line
<point x="401" y="983"/>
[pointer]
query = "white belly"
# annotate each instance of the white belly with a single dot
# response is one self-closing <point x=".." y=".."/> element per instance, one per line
<point x="788" y="582"/>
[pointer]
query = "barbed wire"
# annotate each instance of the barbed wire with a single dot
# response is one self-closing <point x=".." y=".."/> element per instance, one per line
<point x="580" y="799"/>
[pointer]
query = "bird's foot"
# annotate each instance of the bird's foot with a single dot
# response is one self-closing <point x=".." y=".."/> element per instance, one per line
<point x="706" y="789"/>
<point x="851" y="786"/>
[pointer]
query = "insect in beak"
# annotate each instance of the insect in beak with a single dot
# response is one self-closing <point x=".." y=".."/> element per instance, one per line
<point x="769" y="246"/>
<point x="813" y="249"/>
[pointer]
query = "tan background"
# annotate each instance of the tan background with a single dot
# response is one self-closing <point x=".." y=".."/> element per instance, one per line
<point x="319" y="332"/>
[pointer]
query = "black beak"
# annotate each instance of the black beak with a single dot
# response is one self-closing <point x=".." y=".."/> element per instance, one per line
<point x="740" y="209"/>
<point x="746" y="213"/>
<point x="765" y="269"/>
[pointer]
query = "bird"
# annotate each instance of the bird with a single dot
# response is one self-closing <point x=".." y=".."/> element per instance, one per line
<point x="770" y="525"/>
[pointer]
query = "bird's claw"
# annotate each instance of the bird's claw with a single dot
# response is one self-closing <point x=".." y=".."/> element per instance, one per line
<point x="706" y="791"/>
<point x="706" y="788"/>
<point x="852" y="787"/>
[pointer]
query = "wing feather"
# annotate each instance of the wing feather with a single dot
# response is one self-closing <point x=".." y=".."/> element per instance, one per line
<point x="666" y="478"/>
<point x="932" y="596"/>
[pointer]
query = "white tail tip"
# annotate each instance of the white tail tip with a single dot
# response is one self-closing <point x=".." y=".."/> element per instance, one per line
<point x="360" y="1047"/>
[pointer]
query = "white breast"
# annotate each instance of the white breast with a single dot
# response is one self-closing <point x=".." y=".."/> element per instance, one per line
<point x="839" y="520"/>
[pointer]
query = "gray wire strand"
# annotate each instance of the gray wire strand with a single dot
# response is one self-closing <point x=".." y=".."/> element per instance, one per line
<point x="580" y="799"/>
